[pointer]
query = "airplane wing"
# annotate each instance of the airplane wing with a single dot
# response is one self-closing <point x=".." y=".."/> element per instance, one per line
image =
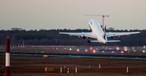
<point x="86" y="34"/>
<point x="110" y="34"/>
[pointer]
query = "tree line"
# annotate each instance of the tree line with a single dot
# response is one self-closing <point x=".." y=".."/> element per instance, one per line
<point x="52" y="37"/>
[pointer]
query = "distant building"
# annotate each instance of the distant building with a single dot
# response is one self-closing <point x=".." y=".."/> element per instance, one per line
<point x="42" y="30"/>
<point x="111" y="28"/>
<point x="17" y="29"/>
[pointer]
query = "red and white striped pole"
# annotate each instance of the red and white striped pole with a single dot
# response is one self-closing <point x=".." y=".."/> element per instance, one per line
<point x="7" y="57"/>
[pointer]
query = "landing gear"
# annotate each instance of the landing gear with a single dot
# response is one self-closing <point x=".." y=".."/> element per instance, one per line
<point x="84" y="37"/>
<point x="112" y="37"/>
<point x="89" y="41"/>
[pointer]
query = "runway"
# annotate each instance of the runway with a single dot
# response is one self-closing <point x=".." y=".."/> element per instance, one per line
<point x="28" y="65"/>
<point x="137" y="57"/>
<point x="33" y="61"/>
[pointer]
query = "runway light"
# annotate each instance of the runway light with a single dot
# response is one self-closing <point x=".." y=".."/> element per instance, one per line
<point x="90" y="48"/>
<point x="103" y="51"/>
<point x="125" y="49"/>
<point x="143" y="51"/>
<point x="110" y="48"/>
<point x="56" y="48"/>
<point x="94" y="51"/>
<point x="122" y="52"/>
<point x="86" y="50"/>
<point x="64" y="48"/>
<point x="70" y="49"/>
<point x="78" y="50"/>
<point x="134" y="50"/>
<point x="45" y="56"/>
<point x="113" y="52"/>
<point x="118" y="48"/>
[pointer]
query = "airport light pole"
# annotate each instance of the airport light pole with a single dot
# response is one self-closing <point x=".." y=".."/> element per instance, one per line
<point x="7" y="57"/>
<point x="103" y="16"/>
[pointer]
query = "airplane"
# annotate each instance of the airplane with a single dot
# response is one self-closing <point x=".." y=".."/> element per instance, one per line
<point x="98" y="33"/>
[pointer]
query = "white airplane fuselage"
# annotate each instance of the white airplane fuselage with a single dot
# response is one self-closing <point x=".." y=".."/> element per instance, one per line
<point x="97" y="31"/>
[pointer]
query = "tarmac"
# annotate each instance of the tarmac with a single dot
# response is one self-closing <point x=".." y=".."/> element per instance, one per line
<point x="45" y="65"/>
